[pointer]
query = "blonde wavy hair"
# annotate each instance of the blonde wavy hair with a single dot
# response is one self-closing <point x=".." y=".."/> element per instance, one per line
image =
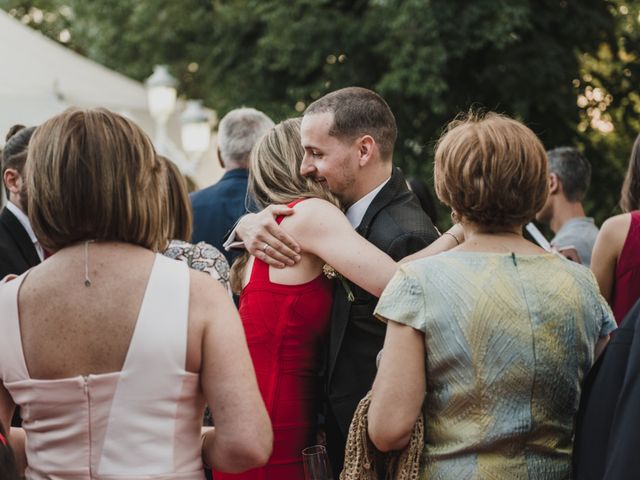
<point x="274" y="174"/>
<point x="274" y="178"/>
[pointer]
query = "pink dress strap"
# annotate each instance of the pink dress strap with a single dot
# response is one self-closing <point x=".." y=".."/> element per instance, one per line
<point x="12" y="363"/>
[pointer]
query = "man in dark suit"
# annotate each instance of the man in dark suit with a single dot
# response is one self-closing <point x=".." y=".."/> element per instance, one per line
<point x="217" y="208"/>
<point x="348" y="137"/>
<point x="336" y="132"/>
<point x="19" y="248"/>
<point x="395" y="223"/>
<point x="607" y="425"/>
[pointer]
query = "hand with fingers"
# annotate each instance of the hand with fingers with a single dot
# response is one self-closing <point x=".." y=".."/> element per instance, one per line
<point x="264" y="239"/>
<point x="570" y="252"/>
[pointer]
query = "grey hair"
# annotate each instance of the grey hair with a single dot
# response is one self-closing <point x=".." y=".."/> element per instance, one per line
<point x="573" y="170"/>
<point x="238" y="132"/>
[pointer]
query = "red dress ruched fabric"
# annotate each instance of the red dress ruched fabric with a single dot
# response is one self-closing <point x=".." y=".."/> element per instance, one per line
<point x="626" y="288"/>
<point x="286" y="328"/>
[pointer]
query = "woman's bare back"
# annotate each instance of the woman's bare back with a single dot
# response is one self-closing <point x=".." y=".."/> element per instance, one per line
<point x="69" y="329"/>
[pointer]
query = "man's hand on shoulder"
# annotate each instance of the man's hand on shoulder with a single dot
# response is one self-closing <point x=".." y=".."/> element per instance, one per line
<point x="569" y="252"/>
<point x="264" y="239"/>
<point x="8" y="278"/>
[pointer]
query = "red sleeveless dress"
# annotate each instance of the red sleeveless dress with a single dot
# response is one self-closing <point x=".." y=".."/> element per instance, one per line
<point x="286" y="328"/>
<point x="626" y="287"/>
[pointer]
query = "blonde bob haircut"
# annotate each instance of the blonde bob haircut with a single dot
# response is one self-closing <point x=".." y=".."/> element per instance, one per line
<point x="274" y="174"/>
<point x="491" y="170"/>
<point x="94" y="175"/>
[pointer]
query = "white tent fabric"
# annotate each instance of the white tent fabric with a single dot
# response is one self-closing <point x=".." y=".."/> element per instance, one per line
<point x="40" y="78"/>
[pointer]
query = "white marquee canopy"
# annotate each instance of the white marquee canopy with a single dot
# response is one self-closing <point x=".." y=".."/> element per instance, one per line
<point x="40" y="78"/>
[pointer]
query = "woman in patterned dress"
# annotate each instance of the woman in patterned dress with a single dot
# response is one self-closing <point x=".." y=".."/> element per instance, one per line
<point x="498" y="332"/>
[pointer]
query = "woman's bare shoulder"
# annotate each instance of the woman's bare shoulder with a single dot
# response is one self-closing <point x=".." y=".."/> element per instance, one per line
<point x="616" y="227"/>
<point x="311" y="213"/>
<point x="204" y="292"/>
<point x="621" y="219"/>
<point x="316" y="205"/>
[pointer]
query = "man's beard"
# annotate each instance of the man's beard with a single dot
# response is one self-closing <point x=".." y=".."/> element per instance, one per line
<point x="325" y="186"/>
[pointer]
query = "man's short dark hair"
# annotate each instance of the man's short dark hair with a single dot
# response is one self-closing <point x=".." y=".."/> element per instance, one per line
<point x="358" y="111"/>
<point x="14" y="154"/>
<point x="573" y="170"/>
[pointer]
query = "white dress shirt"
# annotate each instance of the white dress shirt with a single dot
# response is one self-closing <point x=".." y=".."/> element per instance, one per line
<point x="26" y="224"/>
<point x="356" y="212"/>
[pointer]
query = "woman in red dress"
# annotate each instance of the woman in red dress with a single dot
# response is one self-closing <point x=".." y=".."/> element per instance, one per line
<point x="616" y="254"/>
<point x="285" y="312"/>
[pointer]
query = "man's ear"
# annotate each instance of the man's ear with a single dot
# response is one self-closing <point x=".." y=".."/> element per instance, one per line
<point x="220" y="158"/>
<point x="12" y="180"/>
<point x="366" y="148"/>
<point x="554" y="184"/>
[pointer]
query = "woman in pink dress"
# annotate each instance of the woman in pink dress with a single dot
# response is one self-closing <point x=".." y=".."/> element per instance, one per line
<point x="616" y="254"/>
<point x="111" y="349"/>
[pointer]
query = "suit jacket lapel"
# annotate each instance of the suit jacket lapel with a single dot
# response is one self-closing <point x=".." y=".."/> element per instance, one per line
<point x="387" y="193"/>
<point x="341" y="306"/>
<point x="20" y="236"/>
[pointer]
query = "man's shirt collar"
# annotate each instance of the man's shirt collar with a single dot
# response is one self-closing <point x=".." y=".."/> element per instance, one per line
<point x="356" y="212"/>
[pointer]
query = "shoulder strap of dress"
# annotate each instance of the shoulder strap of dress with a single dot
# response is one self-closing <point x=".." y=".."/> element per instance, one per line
<point x="163" y="319"/>
<point x="260" y="270"/>
<point x="290" y="205"/>
<point x="151" y="380"/>
<point x="633" y="235"/>
<point x="12" y="363"/>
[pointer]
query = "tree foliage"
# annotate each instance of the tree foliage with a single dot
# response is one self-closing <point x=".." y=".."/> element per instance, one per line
<point x="430" y="59"/>
<point x="610" y="105"/>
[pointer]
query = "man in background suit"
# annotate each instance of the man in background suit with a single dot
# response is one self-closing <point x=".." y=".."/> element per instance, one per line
<point x="19" y="248"/>
<point x="217" y="208"/>
<point x="569" y="179"/>
<point x="348" y="137"/>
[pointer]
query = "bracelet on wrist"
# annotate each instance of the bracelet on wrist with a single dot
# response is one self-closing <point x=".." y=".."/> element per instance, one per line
<point x="454" y="237"/>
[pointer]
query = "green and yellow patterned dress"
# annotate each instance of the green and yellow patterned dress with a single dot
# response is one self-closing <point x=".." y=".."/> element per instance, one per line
<point x="509" y="339"/>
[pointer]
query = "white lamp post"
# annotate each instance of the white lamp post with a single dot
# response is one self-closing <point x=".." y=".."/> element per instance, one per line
<point x="196" y="131"/>
<point x="161" y="95"/>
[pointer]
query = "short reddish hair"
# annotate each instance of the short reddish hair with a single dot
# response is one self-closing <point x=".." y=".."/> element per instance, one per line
<point x="491" y="170"/>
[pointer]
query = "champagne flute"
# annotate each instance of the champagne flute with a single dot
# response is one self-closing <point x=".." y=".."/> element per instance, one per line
<point x="316" y="463"/>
